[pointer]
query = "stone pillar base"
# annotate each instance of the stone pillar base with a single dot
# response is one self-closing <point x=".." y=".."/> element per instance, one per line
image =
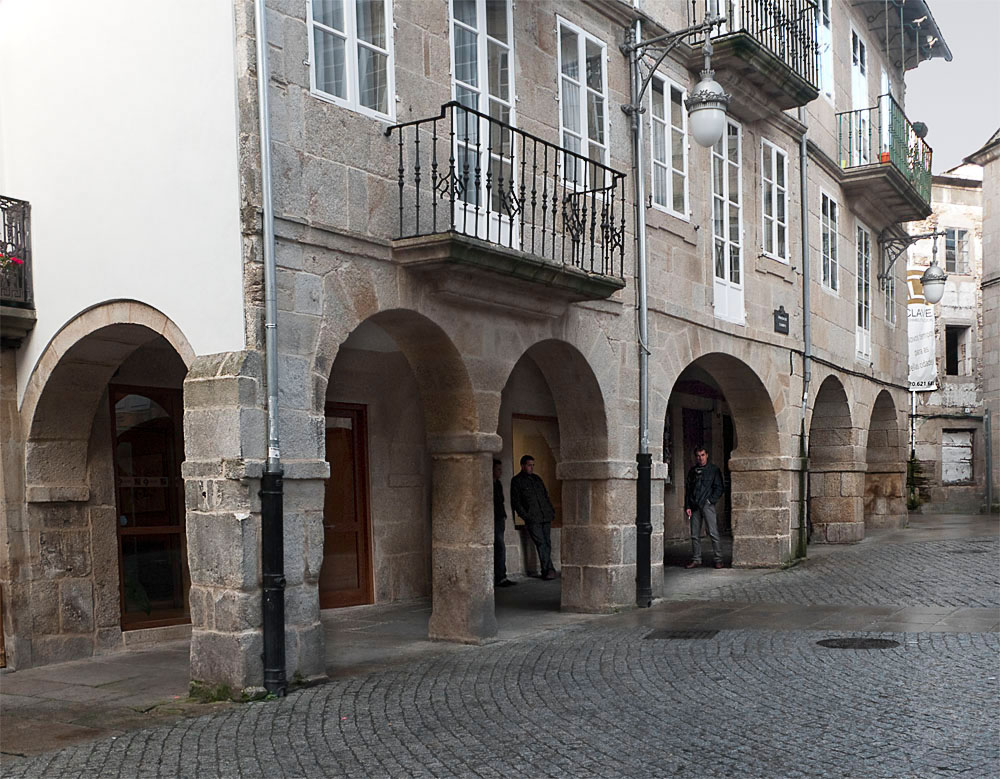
<point x="762" y="491"/>
<point x="836" y="502"/>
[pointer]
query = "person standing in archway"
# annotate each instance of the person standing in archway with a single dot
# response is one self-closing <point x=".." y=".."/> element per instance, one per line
<point x="702" y="488"/>
<point x="499" y="522"/>
<point x="530" y="499"/>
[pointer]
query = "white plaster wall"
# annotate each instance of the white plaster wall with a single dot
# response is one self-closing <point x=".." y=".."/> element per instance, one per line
<point x="118" y="122"/>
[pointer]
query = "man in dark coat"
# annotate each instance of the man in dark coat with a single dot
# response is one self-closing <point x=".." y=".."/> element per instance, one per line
<point x="702" y="488"/>
<point x="499" y="522"/>
<point x="529" y="498"/>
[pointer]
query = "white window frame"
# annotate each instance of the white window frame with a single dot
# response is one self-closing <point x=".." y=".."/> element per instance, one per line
<point x="889" y="296"/>
<point x="668" y="86"/>
<point x="350" y="36"/>
<point x="863" y="302"/>
<point x="582" y="37"/>
<point x="824" y="40"/>
<point x="768" y="180"/>
<point x="829" y="264"/>
<point x="724" y="286"/>
<point x="963" y="265"/>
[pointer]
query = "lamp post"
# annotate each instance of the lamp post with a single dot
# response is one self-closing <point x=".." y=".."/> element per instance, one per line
<point x="707" y="110"/>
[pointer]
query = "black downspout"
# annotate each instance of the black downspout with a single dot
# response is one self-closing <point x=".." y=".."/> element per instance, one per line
<point x="644" y="531"/>
<point x="272" y="559"/>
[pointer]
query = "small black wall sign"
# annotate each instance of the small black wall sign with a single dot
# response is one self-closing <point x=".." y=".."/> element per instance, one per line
<point x="781" y="321"/>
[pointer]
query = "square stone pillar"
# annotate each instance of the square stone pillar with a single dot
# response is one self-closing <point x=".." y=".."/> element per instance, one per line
<point x="225" y="435"/>
<point x="836" y="502"/>
<point x="599" y="536"/>
<point x="763" y="491"/>
<point x="462" y="537"/>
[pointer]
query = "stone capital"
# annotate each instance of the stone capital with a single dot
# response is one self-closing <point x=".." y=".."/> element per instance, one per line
<point x="464" y="443"/>
<point x="596" y="470"/>
<point x="844" y="467"/>
<point x="765" y="463"/>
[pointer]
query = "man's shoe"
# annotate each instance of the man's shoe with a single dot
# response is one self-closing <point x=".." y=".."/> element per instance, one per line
<point x="719" y="565"/>
<point x="550" y="575"/>
<point x="693" y="564"/>
<point x="506" y="583"/>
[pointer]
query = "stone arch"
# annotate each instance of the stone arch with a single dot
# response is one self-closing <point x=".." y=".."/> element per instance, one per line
<point x="836" y="473"/>
<point x="885" y="477"/>
<point x="595" y="545"/>
<point x="70" y="497"/>
<point x="710" y="388"/>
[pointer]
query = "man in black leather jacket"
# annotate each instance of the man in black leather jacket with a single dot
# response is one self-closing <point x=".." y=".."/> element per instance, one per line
<point x="530" y="499"/>
<point x="702" y="488"/>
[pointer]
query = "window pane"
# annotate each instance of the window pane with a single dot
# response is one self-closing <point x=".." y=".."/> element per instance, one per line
<point x="718" y="218"/>
<point x="734" y="144"/>
<point x="570" y="54"/>
<point x="677" y="149"/>
<point x="768" y="235"/>
<point x="330" y="75"/>
<point x="466" y="54"/>
<point x="734" y="264"/>
<point x="734" y="224"/>
<point x="659" y="185"/>
<point x="658" y="99"/>
<point x="465" y="11"/>
<point x="679" y="204"/>
<point x="371" y="22"/>
<point x="782" y="252"/>
<point x="676" y="108"/>
<point x="734" y="183"/>
<point x="659" y="143"/>
<point x="466" y="124"/>
<point x="780" y="198"/>
<point x="779" y="175"/>
<point x="595" y="66"/>
<point x="372" y="83"/>
<point x="595" y="117"/>
<point x="720" y="260"/>
<point x="498" y="66"/>
<point x="768" y="200"/>
<point x="571" y="106"/>
<point x="717" y="180"/>
<point x="330" y="13"/>
<point x="766" y="155"/>
<point x="496" y="19"/>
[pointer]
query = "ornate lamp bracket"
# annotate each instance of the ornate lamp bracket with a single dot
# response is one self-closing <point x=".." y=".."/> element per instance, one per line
<point x="893" y="246"/>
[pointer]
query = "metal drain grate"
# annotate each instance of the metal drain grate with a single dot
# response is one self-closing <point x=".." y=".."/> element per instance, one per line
<point x="858" y="643"/>
<point x="681" y="634"/>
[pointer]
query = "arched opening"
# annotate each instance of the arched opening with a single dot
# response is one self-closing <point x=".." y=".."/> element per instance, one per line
<point x="836" y="478"/>
<point x="406" y="506"/>
<point x="885" y="478"/>
<point x="718" y="402"/>
<point x="104" y="493"/>
<point x="552" y="408"/>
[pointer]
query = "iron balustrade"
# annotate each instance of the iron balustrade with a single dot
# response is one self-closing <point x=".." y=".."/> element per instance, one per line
<point x="468" y="173"/>
<point x="15" y="241"/>
<point x="786" y="28"/>
<point x="882" y="134"/>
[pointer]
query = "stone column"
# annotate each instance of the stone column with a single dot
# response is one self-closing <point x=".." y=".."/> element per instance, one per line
<point x="225" y="435"/>
<point x="462" y="537"/>
<point x="14" y="570"/>
<point x="836" y="502"/>
<point x="763" y="495"/>
<point x="885" y="495"/>
<point x="599" y="535"/>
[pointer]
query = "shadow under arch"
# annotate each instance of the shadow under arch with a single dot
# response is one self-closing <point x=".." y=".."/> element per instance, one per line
<point x="719" y="402"/>
<point x="885" y="477"/>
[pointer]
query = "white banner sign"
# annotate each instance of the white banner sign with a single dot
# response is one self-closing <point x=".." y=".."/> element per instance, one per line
<point x="920" y="329"/>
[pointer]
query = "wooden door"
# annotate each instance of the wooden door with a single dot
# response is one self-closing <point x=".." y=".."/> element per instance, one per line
<point x="345" y="578"/>
<point x="152" y="550"/>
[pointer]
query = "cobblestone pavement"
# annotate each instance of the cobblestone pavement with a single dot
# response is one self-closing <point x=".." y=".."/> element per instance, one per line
<point x="614" y="697"/>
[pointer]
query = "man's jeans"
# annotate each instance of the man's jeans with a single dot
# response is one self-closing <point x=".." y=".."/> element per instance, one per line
<point x="707" y="515"/>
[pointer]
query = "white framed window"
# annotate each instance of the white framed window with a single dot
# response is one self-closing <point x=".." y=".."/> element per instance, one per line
<point x="861" y="141"/>
<point x="350" y="54"/>
<point x="668" y="142"/>
<point x="583" y="100"/>
<point x="774" y="201"/>
<point x="824" y="42"/>
<point x="864" y="306"/>
<point x="727" y="224"/>
<point x="956" y="250"/>
<point x="889" y="298"/>
<point x="829" y="215"/>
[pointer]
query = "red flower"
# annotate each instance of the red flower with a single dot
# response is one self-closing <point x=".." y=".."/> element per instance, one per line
<point x="17" y="261"/>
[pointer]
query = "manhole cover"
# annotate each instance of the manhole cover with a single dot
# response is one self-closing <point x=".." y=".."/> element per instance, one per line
<point x="858" y="643"/>
<point x="682" y="634"/>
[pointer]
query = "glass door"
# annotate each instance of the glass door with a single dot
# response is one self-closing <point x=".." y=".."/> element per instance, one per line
<point x="146" y="425"/>
<point x="727" y="225"/>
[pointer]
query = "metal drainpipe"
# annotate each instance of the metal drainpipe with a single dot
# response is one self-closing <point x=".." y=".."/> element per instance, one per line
<point x="806" y="336"/>
<point x="643" y="487"/>
<point x="272" y="551"/>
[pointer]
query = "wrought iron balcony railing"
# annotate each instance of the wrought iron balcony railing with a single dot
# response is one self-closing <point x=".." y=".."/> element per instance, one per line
<point x="464" y="172"/>
<point x="883" y="135"/>
<point x="786" y="28"/>
<point x="15" y="241"/>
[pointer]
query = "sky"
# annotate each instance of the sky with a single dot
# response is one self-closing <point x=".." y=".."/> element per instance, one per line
<point x="959" y="101"/>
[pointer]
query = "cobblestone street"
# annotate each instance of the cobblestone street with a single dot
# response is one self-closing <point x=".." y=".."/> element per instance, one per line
<point x="748" y="692"/>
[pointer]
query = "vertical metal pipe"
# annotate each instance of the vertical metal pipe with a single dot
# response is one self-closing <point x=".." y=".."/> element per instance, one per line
<point x="803" y="538"/>
<point x="988" y="436"/>
<point x="272" y="521"/>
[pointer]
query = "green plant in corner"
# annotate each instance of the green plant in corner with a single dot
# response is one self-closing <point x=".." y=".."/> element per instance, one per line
<point x="915" y="482"/>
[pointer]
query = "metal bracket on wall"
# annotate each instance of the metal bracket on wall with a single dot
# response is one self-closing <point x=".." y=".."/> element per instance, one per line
<point x="893" y="245"/>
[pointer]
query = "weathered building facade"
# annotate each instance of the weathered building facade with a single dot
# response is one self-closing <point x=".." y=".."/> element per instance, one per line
<point x="455" y="225"/>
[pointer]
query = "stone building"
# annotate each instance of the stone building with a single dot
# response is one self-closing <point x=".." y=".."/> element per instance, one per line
<point x="456" y="280"/>
<point x="948" y="422"/>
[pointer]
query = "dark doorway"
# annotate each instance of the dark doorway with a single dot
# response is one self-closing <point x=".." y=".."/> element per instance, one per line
<point x="154" y="581"/>
<point x="345" y="578"/>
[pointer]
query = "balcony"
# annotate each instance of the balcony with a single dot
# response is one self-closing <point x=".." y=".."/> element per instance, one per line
<point x="17" y="305"/>
<point x="503" y="214"/>
<point x="885" y="163"/>
<point x="764" y="54"/>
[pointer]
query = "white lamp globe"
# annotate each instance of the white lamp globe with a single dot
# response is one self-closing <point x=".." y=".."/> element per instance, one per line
<point x="933" y="281"/>
<point x="707" y="111"/>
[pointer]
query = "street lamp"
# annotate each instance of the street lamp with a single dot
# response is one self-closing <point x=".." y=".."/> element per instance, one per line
<point x="933" y="279"/>
<point x="707" y="113"/>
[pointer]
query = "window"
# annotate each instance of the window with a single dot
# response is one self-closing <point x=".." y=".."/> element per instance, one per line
<point x="956" y="350"/>
<point x="668" y="123"/>
<point x="956" y="456"/>
<point x="956" y="250"/>
<point x="860" y="140"/>
<point x="583" y="89"/>
<point x="824" y="42"/>
<point x="864" y="307"/>
<point x="727" y="224"/>
<point x="889" y="297"/>
<point x="828" y="236"/>
<point x="350" y="54"/>
<point x="774" y="200"/>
